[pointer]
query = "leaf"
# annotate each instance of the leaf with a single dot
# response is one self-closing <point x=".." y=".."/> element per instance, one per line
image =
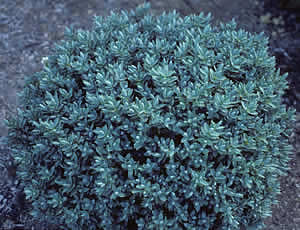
<point x="101" y="132"/>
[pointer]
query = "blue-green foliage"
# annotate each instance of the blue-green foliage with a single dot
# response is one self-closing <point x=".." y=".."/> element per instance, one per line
<point x="154" y="123"/>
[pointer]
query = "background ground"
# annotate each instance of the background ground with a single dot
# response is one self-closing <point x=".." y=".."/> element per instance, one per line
<point x="29" y="28"/>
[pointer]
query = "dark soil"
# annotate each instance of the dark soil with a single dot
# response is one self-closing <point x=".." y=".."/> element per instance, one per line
<point x="29" y="28"/>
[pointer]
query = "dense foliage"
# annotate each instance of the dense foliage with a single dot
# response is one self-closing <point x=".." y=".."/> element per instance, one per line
<point x="153" y="122"/>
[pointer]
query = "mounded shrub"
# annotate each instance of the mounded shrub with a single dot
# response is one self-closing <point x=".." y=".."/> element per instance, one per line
<point x="153" y="122"/>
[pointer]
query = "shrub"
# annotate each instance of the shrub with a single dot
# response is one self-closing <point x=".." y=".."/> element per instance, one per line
<point x="153" y="122"/>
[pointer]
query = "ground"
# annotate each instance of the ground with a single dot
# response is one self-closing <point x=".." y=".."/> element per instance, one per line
<point x="29" y="28"/>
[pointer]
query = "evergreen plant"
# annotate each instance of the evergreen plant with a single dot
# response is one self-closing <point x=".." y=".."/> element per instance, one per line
<point x="154" y="122"/>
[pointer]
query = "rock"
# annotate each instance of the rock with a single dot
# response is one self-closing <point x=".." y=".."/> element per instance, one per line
<point x="289" y="4"/>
